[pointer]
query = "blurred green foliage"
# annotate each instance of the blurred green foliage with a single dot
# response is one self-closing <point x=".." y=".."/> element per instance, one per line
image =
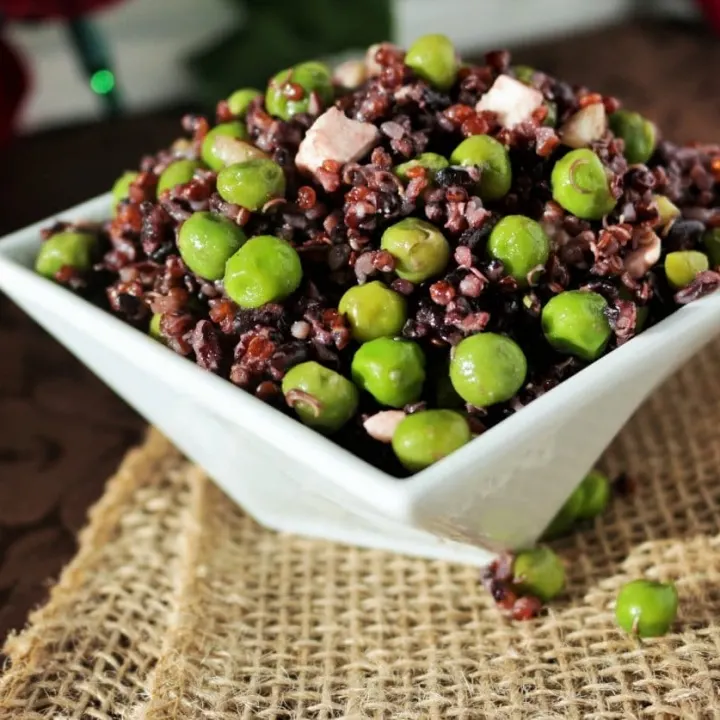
<point x="280" y="33"/>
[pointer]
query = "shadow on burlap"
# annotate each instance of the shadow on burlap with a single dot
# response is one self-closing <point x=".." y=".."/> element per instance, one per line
<point x="273" y="626"/>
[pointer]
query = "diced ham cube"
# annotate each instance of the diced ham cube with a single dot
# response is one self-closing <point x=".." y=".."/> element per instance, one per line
<point x="512" y="101"/>
<point x="350" y="74"/>
<point x="381" y="426"/>
<point x="335" y="137"/>
<point x="585" y="126"/>
<point x="641" y="260"/>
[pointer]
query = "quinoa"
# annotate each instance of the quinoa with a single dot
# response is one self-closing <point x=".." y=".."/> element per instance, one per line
<point x="335" y="218"/>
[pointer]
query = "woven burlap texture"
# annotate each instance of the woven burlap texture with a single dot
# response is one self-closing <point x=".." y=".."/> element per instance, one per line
<point x="272" y="626"/>
<point x="88" y="652"/>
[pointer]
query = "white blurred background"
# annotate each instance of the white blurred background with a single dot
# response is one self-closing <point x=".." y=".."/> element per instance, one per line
<point x="149" y="39"/>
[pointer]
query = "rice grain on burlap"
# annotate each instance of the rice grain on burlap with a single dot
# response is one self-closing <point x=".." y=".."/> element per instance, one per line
<point x="273" y="626"/>
<point x="88" y="652"/>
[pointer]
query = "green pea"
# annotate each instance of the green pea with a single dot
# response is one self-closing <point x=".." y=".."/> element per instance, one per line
<point x="588" y="500"/>
<point x="239" y="101"/>
<point x="321" y="398"/>
<point x="595" y="490"/>
<point x="430" y="161"/>
<point x="392" y="371"/>
<point x="524" y="73"/>
<point x="646" y="608"/>
<point x="252" y="183"/>
<point x="520" y="244"/>
<point x="539" y="572"/>
<point x="419" y="248"/>
<point x="711" y="241"/>
<point x="425" y="437"/>
<point x="209" y="154"/>
<point x="154" y="330"/>
<point x="66" y="249"/>
<point x="682" y="266"/>
<point x="121" y="188"/>
<point x="373" y="311"/>
<point x="639" y="134"/>
<point x="567" y="515"/>
<point x="551" y="117"/>
<point x="574" y="323"/>
<point x="433" y="58"/>
<point x="487" y="368"/>
<point x="180" y="172"/>
<point x="581" y="184"/>
<point x="206" y="241"/>
<point x="312" y="77"/>
<point x="265" y="269"/>
<point x="492" y="158"/>
<point x="667" y="210"/>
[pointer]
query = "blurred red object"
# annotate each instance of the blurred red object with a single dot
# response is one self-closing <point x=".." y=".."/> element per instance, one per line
<point x="48" y="9"/>
<point x="14" y="82"/>
<point x="711" y="9"/>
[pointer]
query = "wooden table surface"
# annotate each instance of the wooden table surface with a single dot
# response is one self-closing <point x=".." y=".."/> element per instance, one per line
<point x="62" y="432"/>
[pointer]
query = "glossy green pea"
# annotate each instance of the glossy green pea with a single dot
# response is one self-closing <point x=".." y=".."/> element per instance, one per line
<point x="682" y="266"/>
<point x="179" y="172"/>
<point x="667" y="210"/>
<point x="154" y="329"/>
<point x="321" y="398"/>
<point x="425" y="437"/>
<point x="432" y="162"/>
<point x="239" y="101"/>
<point x="711" y="241"/>
<point x="492" y="158"/>
<point x="539" y="572"/>
<point x="312" y="77"/>
<point x="419" y="248"/>
<point x="588" y="500"/>
<point x="567" y="515"/>
<point x="121" y="188"/>
<point x="209" y="154"/>
<point x="551" y="117"/>
<point x="524" y="73"/>
<point x="646" y="608"/>
<point x="206" y="241"/>
<point x="373" y="310"/>
<point x="65" y="249"/>
<point x="265" y="269"/>
<point x="252" y="183"/>
<point x="520" y="244"/>
<point x="581" y="184"/>
<point x="391" y="370"/>
<point x="639" y="134"/>
<point x="433" y="58"/>
<point x="574" y="322"/>
<point x="595" y="495"/>
<point x="487" y="368"/>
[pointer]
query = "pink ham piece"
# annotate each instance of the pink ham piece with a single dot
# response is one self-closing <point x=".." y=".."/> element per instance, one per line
<point x="381" y="426"/>
<point x="585" y="126"/>
<point x="641" y="260"/>
<point x="512" y="101"/>
<point x="335" y="137"/>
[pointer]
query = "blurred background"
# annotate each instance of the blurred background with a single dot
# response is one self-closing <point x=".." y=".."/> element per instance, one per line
<point x="88" y="86"/>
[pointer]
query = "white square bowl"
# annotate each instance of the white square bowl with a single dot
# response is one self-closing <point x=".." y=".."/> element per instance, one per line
<point x="498" y="492"/>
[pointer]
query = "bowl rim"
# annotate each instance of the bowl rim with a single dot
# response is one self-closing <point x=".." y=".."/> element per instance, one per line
<point x="392" y="496"/>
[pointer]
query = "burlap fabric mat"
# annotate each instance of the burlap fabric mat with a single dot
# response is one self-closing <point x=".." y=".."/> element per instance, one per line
<point x="215" y="617"/>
